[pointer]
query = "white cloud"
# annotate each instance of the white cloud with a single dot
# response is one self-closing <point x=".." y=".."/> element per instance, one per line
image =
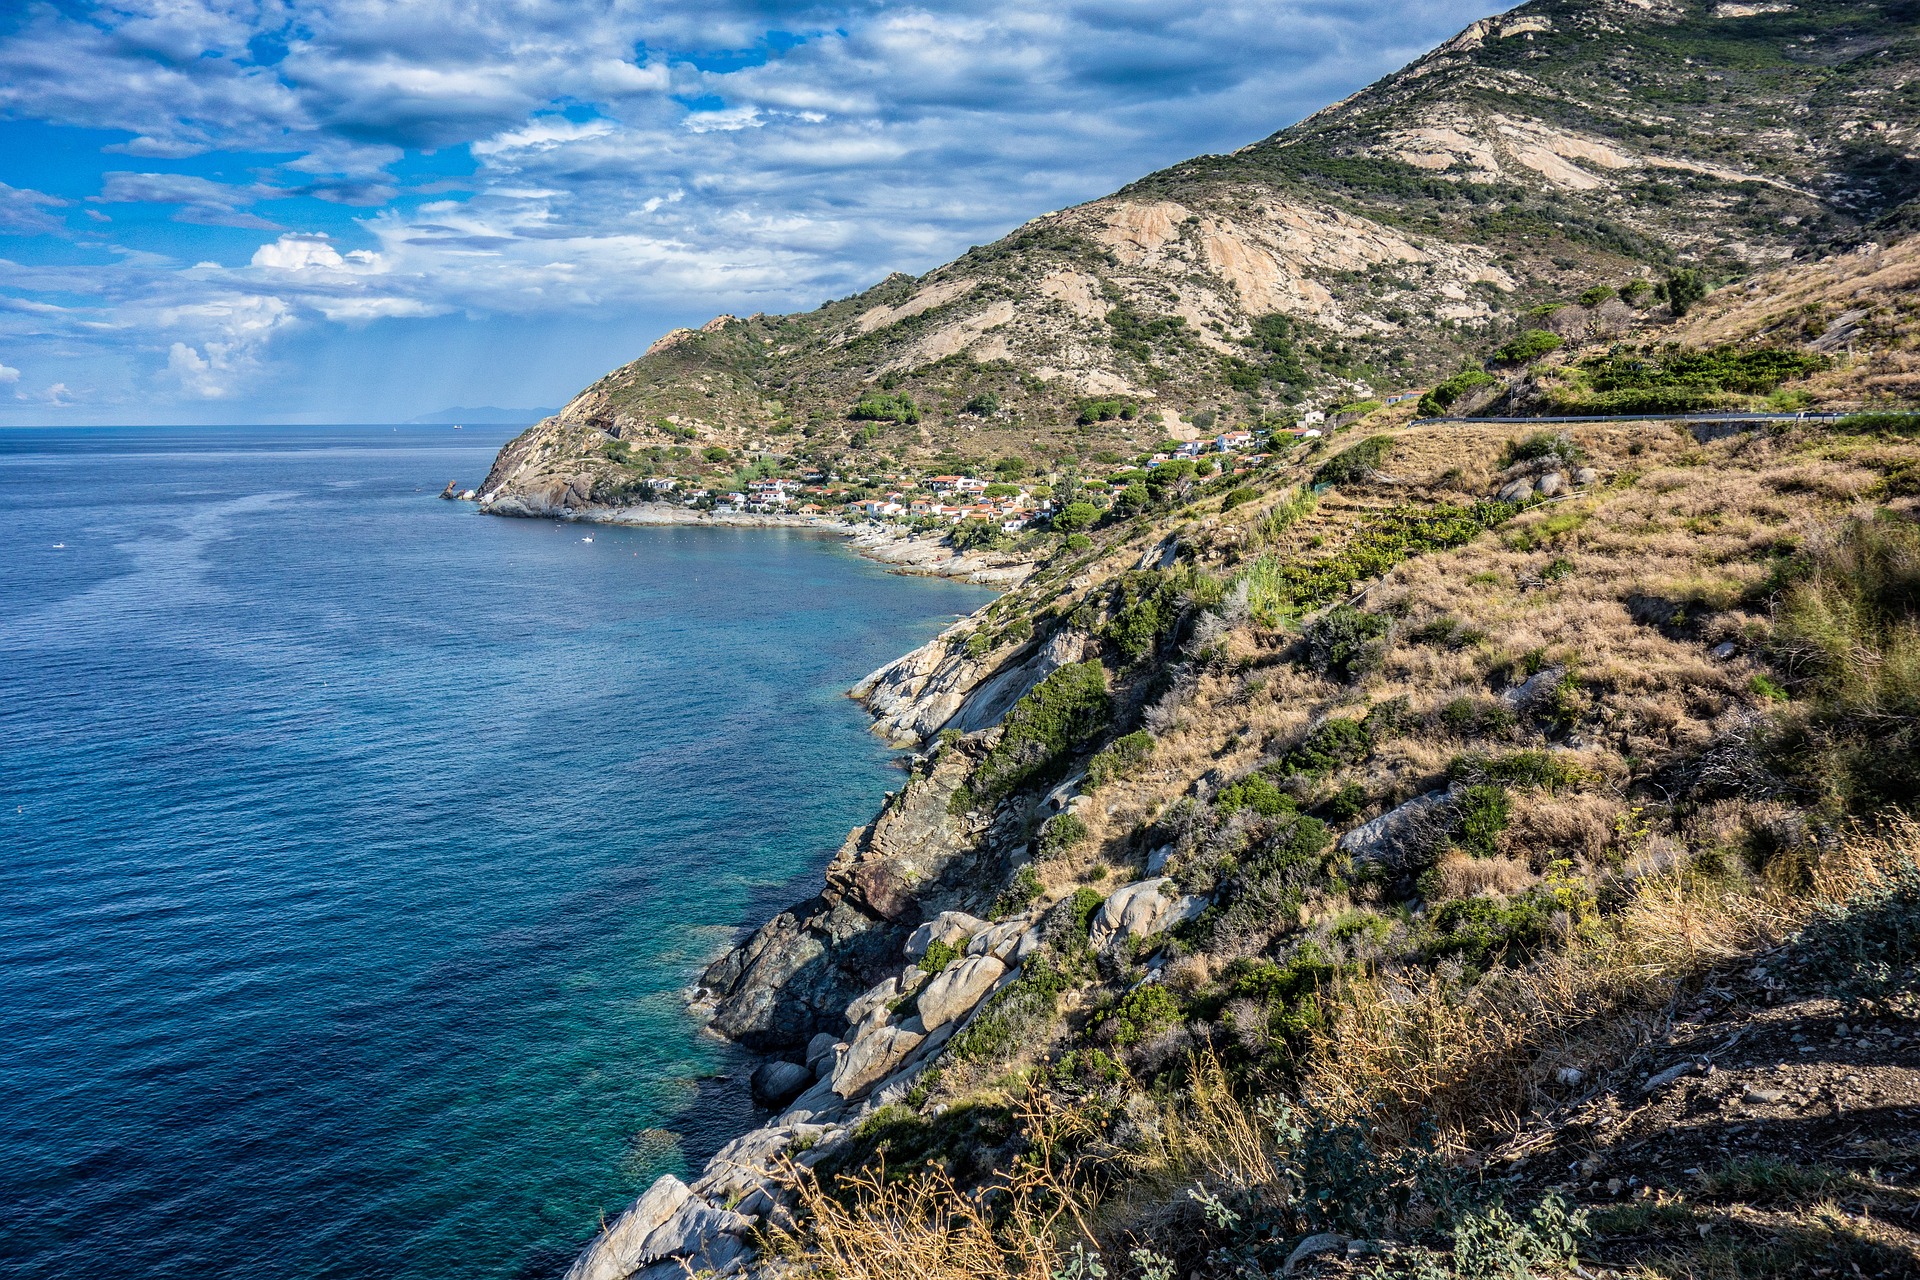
<point x="8" y="376"/>
<point x="862" y="138"/>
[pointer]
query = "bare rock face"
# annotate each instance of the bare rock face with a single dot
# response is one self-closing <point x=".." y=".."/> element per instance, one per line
<point x="950" y="927"/>
<point x="1140" y="910"/>
<point x="956" y="989"/>
<point x="620" y="1250"/>
<point x="938" y="686"/>
<point x="776" y="1083"/>
<point x="874" y="1056"/>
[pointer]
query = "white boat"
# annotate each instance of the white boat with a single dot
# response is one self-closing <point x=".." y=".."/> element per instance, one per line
<point x="588" y="538"/>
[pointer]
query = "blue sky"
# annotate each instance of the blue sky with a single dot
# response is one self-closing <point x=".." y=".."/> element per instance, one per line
<point x="363" y="210"/>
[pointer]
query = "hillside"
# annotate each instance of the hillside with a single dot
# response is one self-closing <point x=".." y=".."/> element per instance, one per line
<point x="1419" y="847"/>
<point x="1370" y="249"/>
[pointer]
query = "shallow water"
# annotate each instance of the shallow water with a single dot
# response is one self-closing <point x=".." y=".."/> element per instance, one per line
<point x="357" y="847"/>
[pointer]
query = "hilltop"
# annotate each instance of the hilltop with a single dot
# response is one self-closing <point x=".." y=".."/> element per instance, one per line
<point x="1383" y="840"/>
<point x="1562" y="154"/>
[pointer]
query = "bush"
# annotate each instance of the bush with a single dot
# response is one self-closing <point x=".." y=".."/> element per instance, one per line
<point x="886" y="406"/>
<point x="1557" y="445"/>
<point x="1082" y="907"/>
<point x="1530" y="345"/>
<point x="1058" y="835"/>
<point x="1237" y="496"/>
<point x="1078" y="542"/>
<point x="1481" y="815"/>
<point x="1354" y="465"/>
<point x="1897" y="424"/>
<point x="1329" y="745"/>
<point x="1056" y="717"/>
<point x="1340" y="643"/>
<point x="984" y="404"/>
<point x="1443" y="397"/>
<point x="1256" y="791"/>
<point x="716" y="454"/>
<point x="940" y="954"/>
<point x="1143" y="1013"/>
<point x="1148" y="609"/>
<point x="1092" y="411"/>
<point x="1543" y="770"/>
<point x="1119" y="756"/>
<point x="1022" y="892"/>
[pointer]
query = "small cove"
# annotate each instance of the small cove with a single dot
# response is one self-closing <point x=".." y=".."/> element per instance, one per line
<point x="359" y="848"/>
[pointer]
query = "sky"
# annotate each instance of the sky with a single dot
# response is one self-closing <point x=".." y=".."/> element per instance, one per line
<point x="235" y="211"/>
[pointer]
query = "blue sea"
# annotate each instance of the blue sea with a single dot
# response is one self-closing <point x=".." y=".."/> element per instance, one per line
<point x="355" y="848"/>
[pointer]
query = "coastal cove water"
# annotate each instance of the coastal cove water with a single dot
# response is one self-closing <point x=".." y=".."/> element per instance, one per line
<point x="355" y="849"/>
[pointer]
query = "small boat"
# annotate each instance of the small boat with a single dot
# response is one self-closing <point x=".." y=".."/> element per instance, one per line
<point x="588" y="538"/>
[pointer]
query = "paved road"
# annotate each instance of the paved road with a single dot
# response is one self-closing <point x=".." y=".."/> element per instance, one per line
<point x="1664" y="417"/>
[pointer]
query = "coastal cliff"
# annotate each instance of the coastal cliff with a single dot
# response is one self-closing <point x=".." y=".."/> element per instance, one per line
<point x="1439" y="845"/>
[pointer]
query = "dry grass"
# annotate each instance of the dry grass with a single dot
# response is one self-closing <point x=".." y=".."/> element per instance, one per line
<point x="1408" y="1051"/>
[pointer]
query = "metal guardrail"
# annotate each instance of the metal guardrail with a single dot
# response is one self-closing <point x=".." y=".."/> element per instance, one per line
<point x="1659" y="417"/>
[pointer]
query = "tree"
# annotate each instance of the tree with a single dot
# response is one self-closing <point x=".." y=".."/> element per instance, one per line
<point x="1074" y="517"/>
<point x="1685" y="287"/>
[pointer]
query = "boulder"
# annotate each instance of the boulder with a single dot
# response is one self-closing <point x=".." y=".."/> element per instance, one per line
<point x="619" y="1251"/>
<point x="820" y="1051"/>
<point x="948" y="927"/>
<point x="1551" y="483"/>
<point x="1140" y="910"/>
<point x="1404" y="826"/>
<point x="818" y="1103"/>
<point x="874" y="1056"/>
<point x="957" y="988"/>
<point x="704" y="1237"/>
<point x="775" y="1083"/>
<point x="1533" y="688"/>
<point x="1586" y="476"/>
<point x="999" y="940"/>
<point x="1516" y="490"/>
<point x="878" y="996"/>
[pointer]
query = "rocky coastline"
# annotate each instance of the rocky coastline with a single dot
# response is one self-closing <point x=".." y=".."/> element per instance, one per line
<point x="925" y="554"/>
<point x="833" y="991"/>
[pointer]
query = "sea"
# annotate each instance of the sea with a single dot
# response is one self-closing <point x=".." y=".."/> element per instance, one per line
<point x="357" y="850"/>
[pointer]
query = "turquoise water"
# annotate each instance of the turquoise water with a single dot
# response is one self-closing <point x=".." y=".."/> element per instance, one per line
<point x="358" y="847"/>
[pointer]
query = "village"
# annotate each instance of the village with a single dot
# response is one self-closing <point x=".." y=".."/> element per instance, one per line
<point x="1007" y="499"/>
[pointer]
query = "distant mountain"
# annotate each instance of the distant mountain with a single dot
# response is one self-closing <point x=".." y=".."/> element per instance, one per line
<point x="486" y="415"/>
<point x="1564" y="149"/>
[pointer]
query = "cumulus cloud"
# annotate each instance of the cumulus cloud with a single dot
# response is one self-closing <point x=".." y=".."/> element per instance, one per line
<point x="8" y="376"/>
<point x="545" y="157"/>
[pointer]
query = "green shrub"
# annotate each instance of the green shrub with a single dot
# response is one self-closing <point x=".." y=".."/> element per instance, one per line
<point x="1092" y="411"/>
<point x="1595" y="296"/>
<point x="1685" y="288"/>
<point x="1868" y="947"/>
<point x="1143" y="1013"/>
<point x="1148" y="608"/>
<point x="1021" y="892"/>
<point x="983" y="404"/>
<point x="1543" y="770"/>
<point x="716" y="454"/>
<point x="1481" y="815"/>
<point x="1341" y="642"/>
<point x="1278" y="590"/>
<point x="1083" y="906"/>
<point x="1443" y="397"/>
<point x="1354" y="465"/>
<point x="1530" y="345"/>
<point x="1237" y="496"/>
<point x="1053" y="719"/>
<point x="1543" y="444"/>
<point x="1058" y="835"/>
<point x="886" y="406"/>
<point x="1256" y="791"/>
<point x="1119" y="756"/>
<point x="1332" y="744"/>
<point x="1078" y="542"/>
<point x="940" y="954"/>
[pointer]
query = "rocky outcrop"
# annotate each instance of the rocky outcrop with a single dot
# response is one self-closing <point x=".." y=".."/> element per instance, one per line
<point x="795" y="975"/>
<point x="1140" y="910"/>
<point x="940" y="686"/>
<point x="956" y="989"/>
